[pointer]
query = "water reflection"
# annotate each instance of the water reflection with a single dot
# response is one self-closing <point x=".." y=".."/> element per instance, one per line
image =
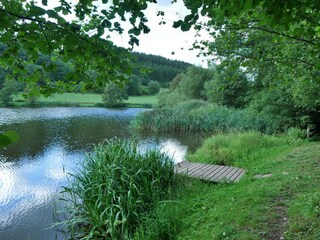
<point x="172" y="147"/>
<point x="52" y="143"/>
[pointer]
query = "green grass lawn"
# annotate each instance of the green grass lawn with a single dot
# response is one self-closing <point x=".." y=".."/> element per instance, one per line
<point x="89" y="99"/>
<point x="284" y="205"/>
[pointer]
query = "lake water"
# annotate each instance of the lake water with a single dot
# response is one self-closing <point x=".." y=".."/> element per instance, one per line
<point x="52" y="142"/>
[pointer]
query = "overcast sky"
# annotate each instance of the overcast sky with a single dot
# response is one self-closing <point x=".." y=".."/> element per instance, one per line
<point x="164" y="39"/>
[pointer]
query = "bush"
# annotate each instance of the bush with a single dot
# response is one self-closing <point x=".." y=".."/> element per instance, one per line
<point x="9" y="88"/>
<point x="154" y="87"/>
<point x="295" y="134"/>
<point x="226" y="149"/>
<point x="116" y="191"/>
<point x="168" y="98"/>
<point x="114" y="96"/>
<point x="144" y="90"/>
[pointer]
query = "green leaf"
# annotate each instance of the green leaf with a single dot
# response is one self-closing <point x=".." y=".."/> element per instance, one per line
<point x="35" y="77"/>
<point x="4" y="22"/>
<point x="6" y="37"/>
<point x="33" y="54"/>
<point x="45" y="2"/>
<point x="36" y="11"/>
<point x="106" y="23"/>
<point x="188" y="18"/>
<point x="8" y="138"/>
<point x="135" y="31"/>
<point x="204" y="11"/>
<point x="71" y="39"/>
<point x="248" y="4"/>
<point x="185" y="27"/>
<point x="146" y="29"/>
<point x="177" y="24"/>
<point x="29" y="45"/>
<point x="4" y="141"/>
<point x="53" y="14"/>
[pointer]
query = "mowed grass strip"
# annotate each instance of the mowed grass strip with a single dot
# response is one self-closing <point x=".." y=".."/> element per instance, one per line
<point x="89" y="99"/>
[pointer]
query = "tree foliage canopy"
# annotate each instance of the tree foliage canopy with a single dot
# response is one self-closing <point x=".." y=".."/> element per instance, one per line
<point x="275" y="43"/>
<point x="247" y="31"/>
<point x="42" y="30"/>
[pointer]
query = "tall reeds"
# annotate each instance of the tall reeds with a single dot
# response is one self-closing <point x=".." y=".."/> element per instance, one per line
<point x="117" y="189"/>
<point x="200" y="116"/>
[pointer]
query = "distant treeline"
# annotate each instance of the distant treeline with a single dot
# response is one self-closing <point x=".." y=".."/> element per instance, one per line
<point x="163" y="69"/>
<point x="150" y="73"/>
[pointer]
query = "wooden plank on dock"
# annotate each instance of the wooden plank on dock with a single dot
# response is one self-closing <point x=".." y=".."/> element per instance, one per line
<point x="209" y="172"/>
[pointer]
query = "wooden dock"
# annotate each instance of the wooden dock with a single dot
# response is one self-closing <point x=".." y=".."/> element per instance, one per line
<point x="209" y="172"/>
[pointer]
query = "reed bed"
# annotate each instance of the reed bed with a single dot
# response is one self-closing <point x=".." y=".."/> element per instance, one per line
<point x="117" y="191"/>
<point x="200" y="116"/>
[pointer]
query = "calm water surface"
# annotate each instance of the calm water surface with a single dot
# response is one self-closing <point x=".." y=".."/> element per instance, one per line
<point x="52" y="142"/>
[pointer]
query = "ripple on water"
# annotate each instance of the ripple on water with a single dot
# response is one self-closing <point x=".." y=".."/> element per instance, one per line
<point x="8" y="179"/>
<point x="27" y="190"/>
<point x="10" y="116"/>
<point x="26" y="203"/>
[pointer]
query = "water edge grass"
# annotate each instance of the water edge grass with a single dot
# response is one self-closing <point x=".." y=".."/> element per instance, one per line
<point x="118" y="192"/>
<point x="201" y="116"/>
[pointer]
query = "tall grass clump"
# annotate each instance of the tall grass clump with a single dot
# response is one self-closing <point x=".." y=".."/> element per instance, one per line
<point x="117" y="191"/>
<point x="226" y="149"/>
<point x="200" y="116"/>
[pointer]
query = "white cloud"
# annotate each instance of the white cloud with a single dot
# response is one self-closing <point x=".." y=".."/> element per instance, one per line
<point x="164" y="39"/>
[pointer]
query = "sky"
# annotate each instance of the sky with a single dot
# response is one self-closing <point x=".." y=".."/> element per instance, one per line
<point x="162" y="40"/>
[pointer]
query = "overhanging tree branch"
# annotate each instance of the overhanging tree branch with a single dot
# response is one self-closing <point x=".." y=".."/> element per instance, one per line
<point x="284" y="35"/>
<point x="270" y="31"/>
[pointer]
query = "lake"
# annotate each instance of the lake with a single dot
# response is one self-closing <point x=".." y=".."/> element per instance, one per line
<point x="52" y="143"/>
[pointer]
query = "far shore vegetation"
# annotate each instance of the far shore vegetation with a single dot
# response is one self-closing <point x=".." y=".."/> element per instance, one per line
<point x="150" y="74"/>
<point x="82" y="100"/>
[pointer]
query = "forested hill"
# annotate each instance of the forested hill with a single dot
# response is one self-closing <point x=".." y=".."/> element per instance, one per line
<point x="163" y="69"/>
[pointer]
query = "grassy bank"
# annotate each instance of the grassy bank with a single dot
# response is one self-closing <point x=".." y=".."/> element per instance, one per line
<point x="122" y="194"/>
<point x="119" y="193"/>
<point x="83" y="100"/>
<point x="201" y="116"/>
<point x="279" y="196"/>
